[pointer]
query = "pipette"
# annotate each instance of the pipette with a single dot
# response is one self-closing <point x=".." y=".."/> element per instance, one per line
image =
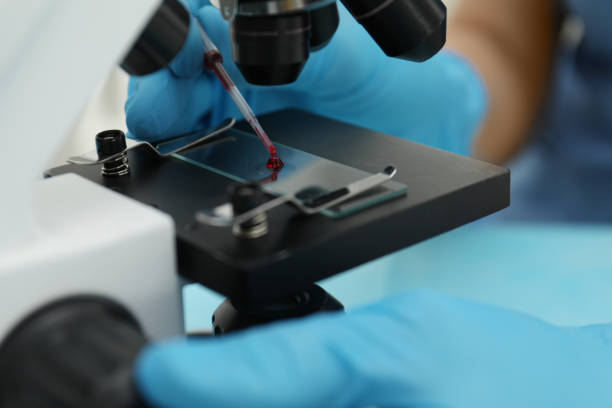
<point x="213" y="60"/>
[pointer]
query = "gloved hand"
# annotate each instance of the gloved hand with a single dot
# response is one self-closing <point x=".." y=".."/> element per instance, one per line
<point x="440" y="102"/>
<point x="419" y="349"/>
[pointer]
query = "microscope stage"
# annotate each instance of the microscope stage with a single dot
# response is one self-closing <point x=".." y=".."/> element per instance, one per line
<point x="443" y="191"/>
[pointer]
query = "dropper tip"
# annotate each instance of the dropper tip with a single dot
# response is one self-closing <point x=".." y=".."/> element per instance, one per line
<point x="275" y="163"/>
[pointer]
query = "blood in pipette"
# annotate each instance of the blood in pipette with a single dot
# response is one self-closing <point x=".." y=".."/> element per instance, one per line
<point x="264" y="138"/>
<point x="213" y="60"/>
<point x="274" y="162"/>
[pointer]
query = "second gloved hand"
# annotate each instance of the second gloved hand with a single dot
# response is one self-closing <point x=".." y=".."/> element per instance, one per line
<point x="419" y="350"/>
<point x="440" y="102"/>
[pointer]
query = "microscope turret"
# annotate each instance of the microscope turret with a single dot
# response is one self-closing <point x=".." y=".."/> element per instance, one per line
<point x="272" y="39"/>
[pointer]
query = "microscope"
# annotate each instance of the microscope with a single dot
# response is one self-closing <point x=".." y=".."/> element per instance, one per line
<point x="272" y="39"/>
<point x="98" y="251"/>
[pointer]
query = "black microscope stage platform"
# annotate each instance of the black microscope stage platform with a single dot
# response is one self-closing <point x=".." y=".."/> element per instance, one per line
<point x="445" y="191"/>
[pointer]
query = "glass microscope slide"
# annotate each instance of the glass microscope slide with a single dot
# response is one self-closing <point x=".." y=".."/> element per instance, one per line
<point x="241" y="157"/>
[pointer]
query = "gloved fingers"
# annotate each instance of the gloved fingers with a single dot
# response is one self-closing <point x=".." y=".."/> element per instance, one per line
<point x="343" y="66"/>
<point x="419" y="349"/>
<point x="218" y="30"/>
<point x="395" y="353"/>
<point x="331" y="361"/>
<point x="216" y="27"/>
<point x="160" y="105"/>
<point x="600" y="333"/>
<point x="189" y="62"/>
<point x="196" y="5"/>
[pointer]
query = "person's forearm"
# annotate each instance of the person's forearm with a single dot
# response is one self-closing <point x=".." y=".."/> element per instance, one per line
<point x="511" y="43"/>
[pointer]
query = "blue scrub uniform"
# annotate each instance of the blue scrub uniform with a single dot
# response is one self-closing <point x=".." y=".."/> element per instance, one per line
<point x="566" y="173"/>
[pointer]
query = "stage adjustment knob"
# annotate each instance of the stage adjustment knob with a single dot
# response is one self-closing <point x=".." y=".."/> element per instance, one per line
<point x="245" y="197"/>
<point x="77" y="352"/>
<point x="112" y="143"/>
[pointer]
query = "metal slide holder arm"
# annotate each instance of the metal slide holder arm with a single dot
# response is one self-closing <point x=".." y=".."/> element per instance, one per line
<point x="164" y="148"/>
<point x="223" y="215"/>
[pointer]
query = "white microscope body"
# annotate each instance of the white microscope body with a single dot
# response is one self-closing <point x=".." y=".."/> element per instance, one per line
<point x="66" y="236"/>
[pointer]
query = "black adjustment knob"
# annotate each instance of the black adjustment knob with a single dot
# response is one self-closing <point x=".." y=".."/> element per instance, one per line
<point x="245" y="197"/>
<point x="77" y="352"/>
<point x="110" y="143"/>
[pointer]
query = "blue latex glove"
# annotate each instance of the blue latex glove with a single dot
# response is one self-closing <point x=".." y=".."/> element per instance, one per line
<point x="419" y="349"/>
<point x="440" y="102"/>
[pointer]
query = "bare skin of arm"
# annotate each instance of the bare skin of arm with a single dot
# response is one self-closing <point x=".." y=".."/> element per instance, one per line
<point x="511" y="43"/>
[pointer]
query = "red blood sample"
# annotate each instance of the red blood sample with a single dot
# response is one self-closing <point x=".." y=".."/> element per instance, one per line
<point x="270" y="179"/>
<point x="213" y="60"/>
<point x="275" y="163"/>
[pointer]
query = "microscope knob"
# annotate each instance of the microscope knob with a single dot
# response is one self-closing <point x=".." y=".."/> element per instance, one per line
<point x="77" y="352"/>
<point x="245" y="197"/>
<point x="110" y="143"/>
